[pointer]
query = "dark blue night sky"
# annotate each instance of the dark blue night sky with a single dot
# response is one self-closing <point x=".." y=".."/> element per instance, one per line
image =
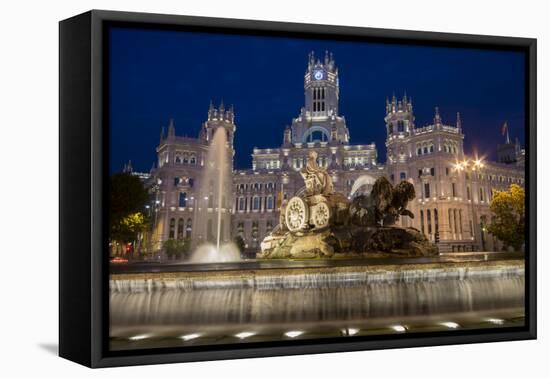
<point x="158" y="75"/>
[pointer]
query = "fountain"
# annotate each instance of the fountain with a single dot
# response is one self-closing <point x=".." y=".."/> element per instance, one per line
<point x="319" y="222"/>
<point x="276" y="300"/>
<point x="213" y="215"/>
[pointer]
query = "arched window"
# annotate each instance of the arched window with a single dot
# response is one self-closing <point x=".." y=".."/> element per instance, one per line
<point x="425" y="149"/>
<point x="256" y="203"/>
<point x="436" y="221"/>
<point x="431" y="148"/>
<point x="422" y="221"/>
<point x="455" y="220"/>
<point x="172" y="231"/>
<point x="193" y="159"/>
<point x="317" y="136"/>
<point x="429" y="218"/>
<point x="241" y="204"/>
<point x="419" y="151"/>
<point x="178" y="159"/>
<point x="183" y="199"/>
<point x="188" y="228"/>
<point x="181" y="226"/>
<point x="270" y="202"/>
<point x="209" y="230"/>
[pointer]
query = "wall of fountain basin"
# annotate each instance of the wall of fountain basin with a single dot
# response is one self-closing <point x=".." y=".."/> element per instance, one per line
<point x="315" y="294"/>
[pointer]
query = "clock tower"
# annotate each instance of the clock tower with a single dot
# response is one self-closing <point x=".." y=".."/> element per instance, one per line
<point x="321" y="87"/>
<point x="319" y="121"/>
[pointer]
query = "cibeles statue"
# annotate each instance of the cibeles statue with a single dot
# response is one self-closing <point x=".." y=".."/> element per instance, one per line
<point x="319" y="222"/>
<point x="318" y="206"/>
<point x="317" y="180"/>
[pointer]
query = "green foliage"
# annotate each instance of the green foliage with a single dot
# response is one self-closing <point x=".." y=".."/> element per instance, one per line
<point x="127" y="229"/>
<point x="177" y="248"/>
<point x="508" y="208"/>
<point x="128" y="198"/>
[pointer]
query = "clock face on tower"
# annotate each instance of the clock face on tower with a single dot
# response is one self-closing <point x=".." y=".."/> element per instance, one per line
<point x="318" y="74"/>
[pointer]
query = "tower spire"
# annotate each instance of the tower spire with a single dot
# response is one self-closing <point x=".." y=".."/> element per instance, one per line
<point x="458" y="121"/>
<point x="171" y="128"/>
<point x="162" y="133"/>
<point x="437" y="117"/>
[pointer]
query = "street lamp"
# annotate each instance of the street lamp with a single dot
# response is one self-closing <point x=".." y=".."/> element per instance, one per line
<point x="470" y="167"/>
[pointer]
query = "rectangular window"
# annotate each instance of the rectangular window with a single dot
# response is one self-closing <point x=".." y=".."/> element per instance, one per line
<point x="427" y="190"/>
<point x="432" y="171"/>
<point x="446" y="171"/>
<point x="453" y="186"/>
<point x="419" y="172"/>
<point x="402" y="176"/>
<point x="183" y="200"/>
<point x="241" y="204"/>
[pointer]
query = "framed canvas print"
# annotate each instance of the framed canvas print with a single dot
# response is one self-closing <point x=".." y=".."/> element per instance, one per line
<point x="233" y="188"/>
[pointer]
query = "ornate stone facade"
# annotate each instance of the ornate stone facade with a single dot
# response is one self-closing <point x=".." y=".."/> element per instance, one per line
<point x="452" y="203"/>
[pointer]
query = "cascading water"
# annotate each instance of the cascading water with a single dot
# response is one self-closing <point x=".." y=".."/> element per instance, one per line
<point x="268" y="300"/>
<point x="213" y="204"/>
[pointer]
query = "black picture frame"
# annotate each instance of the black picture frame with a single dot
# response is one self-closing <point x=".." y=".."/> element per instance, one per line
<point x="83" y="122"/>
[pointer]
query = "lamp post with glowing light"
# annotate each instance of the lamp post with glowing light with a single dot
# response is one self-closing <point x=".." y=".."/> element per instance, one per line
<point x="470" y="168"/>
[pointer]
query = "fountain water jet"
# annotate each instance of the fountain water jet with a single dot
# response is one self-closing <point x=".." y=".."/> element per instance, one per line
<point x="209" y="253"/>
<point x="213" y="215"/>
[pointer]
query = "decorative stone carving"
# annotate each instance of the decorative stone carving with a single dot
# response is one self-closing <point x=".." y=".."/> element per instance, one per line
<point x="317" y="180"/>
<point x="321" y="222"/>
<point x="296" y="214"/>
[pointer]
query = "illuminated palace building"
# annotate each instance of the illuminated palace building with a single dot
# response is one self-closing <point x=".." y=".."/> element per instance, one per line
<point x="453" y="190"/>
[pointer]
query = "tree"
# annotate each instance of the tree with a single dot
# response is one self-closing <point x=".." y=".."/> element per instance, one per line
<point x="128" y="198"/>
<point x="177" y="248"/>
<point x="508" y="208"/>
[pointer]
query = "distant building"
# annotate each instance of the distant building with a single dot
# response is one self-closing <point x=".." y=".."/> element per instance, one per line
<point x="452" y="204"/>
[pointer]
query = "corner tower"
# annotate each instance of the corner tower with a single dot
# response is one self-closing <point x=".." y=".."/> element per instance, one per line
<point x="399" y="126"/>
<point x="219" y="117"/>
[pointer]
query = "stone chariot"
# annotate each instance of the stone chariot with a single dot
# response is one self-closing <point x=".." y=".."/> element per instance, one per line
<point x="317" y="206"/>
